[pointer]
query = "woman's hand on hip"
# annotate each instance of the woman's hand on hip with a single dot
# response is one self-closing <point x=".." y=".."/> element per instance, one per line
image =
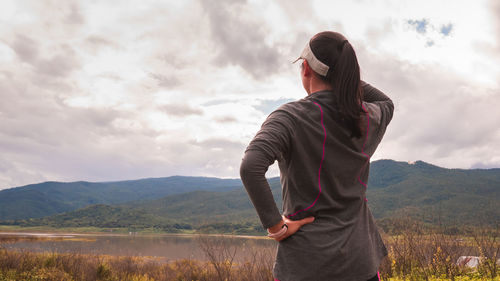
<point x="293" y="226"/>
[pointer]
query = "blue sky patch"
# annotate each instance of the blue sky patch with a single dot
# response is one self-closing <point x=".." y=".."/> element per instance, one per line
<point x="420" y="25"/>
<point x="446" y="29"/>
<point x="268" y="106"/>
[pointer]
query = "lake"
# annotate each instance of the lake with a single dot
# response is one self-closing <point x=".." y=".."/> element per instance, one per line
<point x="161" y="247"/>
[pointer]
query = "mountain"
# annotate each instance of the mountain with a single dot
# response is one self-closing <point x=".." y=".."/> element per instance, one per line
<point x="229" y="211"/>
<point x="44" y="199"/>
<point x="430" y="193"/>
<point x="434" y="194"/>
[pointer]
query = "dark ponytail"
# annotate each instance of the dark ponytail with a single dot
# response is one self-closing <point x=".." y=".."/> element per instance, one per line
<point x="334" y="50"/>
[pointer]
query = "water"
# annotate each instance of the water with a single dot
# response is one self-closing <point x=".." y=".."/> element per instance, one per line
<point x="162" y="247"/>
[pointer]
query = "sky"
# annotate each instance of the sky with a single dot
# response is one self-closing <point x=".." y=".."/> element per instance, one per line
<point x="117" y="90"/>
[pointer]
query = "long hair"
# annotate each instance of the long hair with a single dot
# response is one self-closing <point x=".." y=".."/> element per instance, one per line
<point x="334" y="50"/>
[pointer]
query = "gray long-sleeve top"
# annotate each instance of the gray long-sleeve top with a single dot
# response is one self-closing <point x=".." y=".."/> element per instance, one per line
<point x="323" y="173"/>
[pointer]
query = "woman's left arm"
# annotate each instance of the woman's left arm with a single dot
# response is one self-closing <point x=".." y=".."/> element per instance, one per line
<point x="252" y="171"/>
<point x="253" y="175"/>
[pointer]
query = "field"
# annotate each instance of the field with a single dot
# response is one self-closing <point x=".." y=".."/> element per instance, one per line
<point x="418" y="255"/>
<point x="413" y="255"/>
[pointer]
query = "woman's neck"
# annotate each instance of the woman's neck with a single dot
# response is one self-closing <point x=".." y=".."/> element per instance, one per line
<point x="316" y="84"/>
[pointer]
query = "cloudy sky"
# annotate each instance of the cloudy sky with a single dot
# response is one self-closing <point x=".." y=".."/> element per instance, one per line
<point x="112" y="90"/>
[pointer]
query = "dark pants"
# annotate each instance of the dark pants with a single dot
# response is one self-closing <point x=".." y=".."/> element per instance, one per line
<point x="374" y="278"/>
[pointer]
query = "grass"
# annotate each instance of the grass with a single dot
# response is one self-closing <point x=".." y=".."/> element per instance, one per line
<point x="417" y="255"/>
<point x="414" y="255"/>
<point x="64" y="267"/>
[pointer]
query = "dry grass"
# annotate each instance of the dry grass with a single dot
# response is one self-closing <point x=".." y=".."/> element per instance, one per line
<point x="413" y="255"/>
<point x="36" y="266"/>
<point x="29" y="266"/>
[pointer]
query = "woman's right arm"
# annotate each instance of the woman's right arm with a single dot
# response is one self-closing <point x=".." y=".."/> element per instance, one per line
<point x="374" y="95"/>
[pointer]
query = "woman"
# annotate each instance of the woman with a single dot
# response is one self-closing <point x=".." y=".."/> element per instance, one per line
<point x="323" y="145"/>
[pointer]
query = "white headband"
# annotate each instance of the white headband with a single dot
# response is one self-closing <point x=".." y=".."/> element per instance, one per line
<point x="314" y="63"/>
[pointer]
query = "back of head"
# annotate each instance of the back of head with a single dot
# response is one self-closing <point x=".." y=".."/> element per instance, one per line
<point x="333" y="49"/>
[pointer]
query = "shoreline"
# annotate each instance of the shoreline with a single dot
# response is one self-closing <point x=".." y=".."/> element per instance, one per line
<point x="86" y="232"/>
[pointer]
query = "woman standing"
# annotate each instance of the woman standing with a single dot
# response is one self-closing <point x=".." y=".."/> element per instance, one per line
<point x="323" y="144"/>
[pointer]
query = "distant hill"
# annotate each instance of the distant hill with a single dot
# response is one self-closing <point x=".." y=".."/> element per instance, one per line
<point x="48" y="198"/>
<point x="433" y="194"/>
<point x="229" y="211"/>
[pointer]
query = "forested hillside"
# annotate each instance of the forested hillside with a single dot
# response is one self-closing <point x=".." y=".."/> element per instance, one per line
<point x="43" y="199"/>
<point x="423" y="191"/>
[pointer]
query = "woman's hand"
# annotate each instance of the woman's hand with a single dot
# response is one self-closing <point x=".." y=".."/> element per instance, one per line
<point x="293" y="226"/>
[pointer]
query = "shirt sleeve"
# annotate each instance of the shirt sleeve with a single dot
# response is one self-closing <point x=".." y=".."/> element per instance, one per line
<point x="274" y="136"/>
<point x="269" y="144"/>
<point x="374" y="95"/>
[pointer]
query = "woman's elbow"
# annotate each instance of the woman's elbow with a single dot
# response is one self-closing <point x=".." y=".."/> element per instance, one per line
<point x="243" y="169"/>
<point x="252" y="165"/>
<point x="246" y="169"/>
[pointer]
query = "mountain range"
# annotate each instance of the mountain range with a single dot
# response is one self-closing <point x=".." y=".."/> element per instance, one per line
<point x="48" y="198"/>
<point x="429" y="193"/>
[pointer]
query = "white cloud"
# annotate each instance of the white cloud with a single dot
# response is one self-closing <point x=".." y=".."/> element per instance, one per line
<point x="180" y="87"/>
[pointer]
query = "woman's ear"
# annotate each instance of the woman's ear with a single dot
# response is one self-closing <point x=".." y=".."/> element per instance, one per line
<point x="306" y="75"/>
<point x="307" y="71"/>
